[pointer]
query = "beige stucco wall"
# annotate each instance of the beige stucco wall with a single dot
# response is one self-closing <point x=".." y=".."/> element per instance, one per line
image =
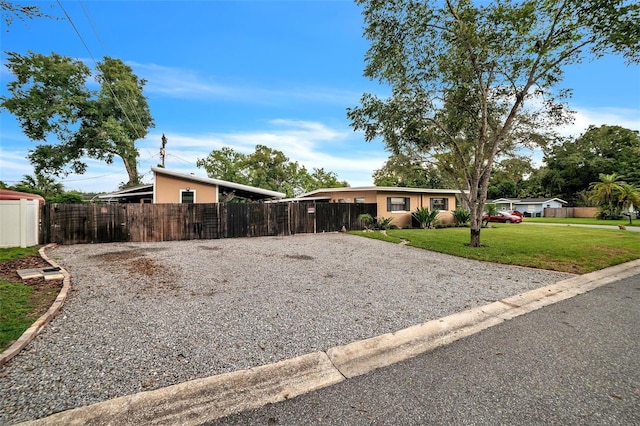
<point x="416" y="200"/>
<point x="400" y="219"/>
<point x="167" y="190"/>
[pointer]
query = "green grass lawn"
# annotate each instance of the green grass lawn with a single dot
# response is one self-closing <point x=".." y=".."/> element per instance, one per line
<point x="14" y="252"/>
<point x="581" y="221"/>
<point x="15" y="311"/>
<point x="20" y="305"/>
<point x="565" y="249"/>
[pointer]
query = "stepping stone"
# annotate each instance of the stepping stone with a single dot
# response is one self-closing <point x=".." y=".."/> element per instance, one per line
<point x="26" y="274"/>
<point x="53" y="275"/>
<point x="47" y="273"/>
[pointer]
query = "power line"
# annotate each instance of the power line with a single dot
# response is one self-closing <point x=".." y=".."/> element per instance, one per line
<point x="105" y="77"/>
<point x="181" y="159"/>
<point x="87" y="178"/>
<point x="85" y="9"/>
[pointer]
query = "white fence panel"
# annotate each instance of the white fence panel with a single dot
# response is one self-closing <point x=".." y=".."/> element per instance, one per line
<point x="19" y="223"/>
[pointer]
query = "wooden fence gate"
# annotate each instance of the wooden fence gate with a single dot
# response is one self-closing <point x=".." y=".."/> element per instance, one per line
<point x="103" y="223"/>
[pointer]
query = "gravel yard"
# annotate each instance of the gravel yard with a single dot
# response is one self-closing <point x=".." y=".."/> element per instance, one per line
<point x="142" y="316"/>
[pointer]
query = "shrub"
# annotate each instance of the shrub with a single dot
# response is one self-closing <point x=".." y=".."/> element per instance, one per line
<point x="71" y="197"/>
<point x="369" y="222"/>
<point x="461" y="216"/>
<point x="383" y="222"/>
<point x="425" y="217"/>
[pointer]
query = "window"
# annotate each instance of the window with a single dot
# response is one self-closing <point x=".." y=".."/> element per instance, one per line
<point x="359" y="200"/>
<point x="396" y="204"/>
<point x="187" y="196"/>
<point x="439" y="204"/>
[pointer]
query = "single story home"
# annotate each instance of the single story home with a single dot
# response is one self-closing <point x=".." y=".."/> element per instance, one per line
<point x="529" y="207"/>
<point x="395" y="202"/>
<point x="177" y="187"/>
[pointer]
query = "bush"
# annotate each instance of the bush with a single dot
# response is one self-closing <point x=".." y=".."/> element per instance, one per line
<point x="376" y="223"/>
<point x="383" y="222"/>
<point x="425" y="217"/>
<point x="461" y="216"/>
<point x="71" y="197"/>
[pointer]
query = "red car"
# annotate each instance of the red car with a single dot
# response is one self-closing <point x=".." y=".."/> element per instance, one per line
<point x="503" y="217"/>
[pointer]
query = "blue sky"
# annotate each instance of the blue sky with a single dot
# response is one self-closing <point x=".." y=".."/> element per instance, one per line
<point x="242" y="73"/>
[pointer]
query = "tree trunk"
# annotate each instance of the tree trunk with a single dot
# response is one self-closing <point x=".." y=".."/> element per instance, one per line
<point x="476" y="223"/>
<point x="131" y="166"/>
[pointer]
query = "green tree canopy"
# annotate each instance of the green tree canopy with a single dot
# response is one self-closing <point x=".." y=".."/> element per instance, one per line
<point x="266" y="168"/>
<point x="613" y="194"/>
<point x="40" y="184"/>
<point x="575" y="164"/>
<point x="509" y="177"/>
<point x="473" y="82"/>
<point x="51" y="100"/>
<point x="410" y="172"/>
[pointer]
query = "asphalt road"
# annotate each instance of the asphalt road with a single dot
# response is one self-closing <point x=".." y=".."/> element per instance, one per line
<point x="576" y="362"/>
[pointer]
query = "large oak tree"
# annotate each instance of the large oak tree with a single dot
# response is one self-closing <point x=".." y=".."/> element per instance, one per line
<point x="471" y="83"/>
<point x="267" y="168"/>
<point x="51" y="99"/>
<point x="576" y="163"/>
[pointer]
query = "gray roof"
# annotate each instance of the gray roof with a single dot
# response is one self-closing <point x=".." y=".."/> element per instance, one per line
<point x="528" y="200"/>
<point x="382" y="189"/>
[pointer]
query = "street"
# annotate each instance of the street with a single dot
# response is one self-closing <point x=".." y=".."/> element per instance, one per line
<point x="574" y="362"/>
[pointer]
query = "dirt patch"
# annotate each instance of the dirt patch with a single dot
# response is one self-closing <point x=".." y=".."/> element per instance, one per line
<point x="117" y="256"/>
<point x="143" y="266"/>
<point x="44" y="291"/>
<point x="568" y="267"/>
<point x="613" y="251"/>
<point x="138" y="264"/>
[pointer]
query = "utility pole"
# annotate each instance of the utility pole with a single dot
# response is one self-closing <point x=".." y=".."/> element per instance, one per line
<point x="162" y="150"/>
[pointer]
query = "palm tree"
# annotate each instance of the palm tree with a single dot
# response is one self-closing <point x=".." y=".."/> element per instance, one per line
<point x="605" y="192"/>
<point x="45" y="185"/>
<point x="629" y="197"/>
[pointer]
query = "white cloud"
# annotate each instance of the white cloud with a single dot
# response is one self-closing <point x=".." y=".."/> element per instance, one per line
<point x="586" y="116"/>
<point x="13" y="166"/>
<point x="312" y="144"/>
<point x="187" y="84"/>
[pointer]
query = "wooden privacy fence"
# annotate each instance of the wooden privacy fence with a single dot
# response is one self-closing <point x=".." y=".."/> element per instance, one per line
<point x="104" y="223"/>
<point x="562" y="212"/>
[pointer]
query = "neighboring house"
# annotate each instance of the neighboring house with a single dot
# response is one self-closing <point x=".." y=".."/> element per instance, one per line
<point x="176" y="187"/>
<point x="530" y="207"/>
<point x="395" y="202"/>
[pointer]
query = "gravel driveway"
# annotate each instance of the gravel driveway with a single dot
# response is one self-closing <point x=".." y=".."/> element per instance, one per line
<point x="142" y="316"/>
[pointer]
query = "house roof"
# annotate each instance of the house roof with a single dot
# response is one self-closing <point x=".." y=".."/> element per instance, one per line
<point x="381" y="189"/>
<point x="528" y="200"/>
<point x="240" y="190"/>
<point x="7" y="194"/>
<point x="135" y="191"/>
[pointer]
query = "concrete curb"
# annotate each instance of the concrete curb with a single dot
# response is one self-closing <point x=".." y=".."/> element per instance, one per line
<point x="366" y="355"/>
<point x="35" y="328"/>
<point x="202" y="400"/>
